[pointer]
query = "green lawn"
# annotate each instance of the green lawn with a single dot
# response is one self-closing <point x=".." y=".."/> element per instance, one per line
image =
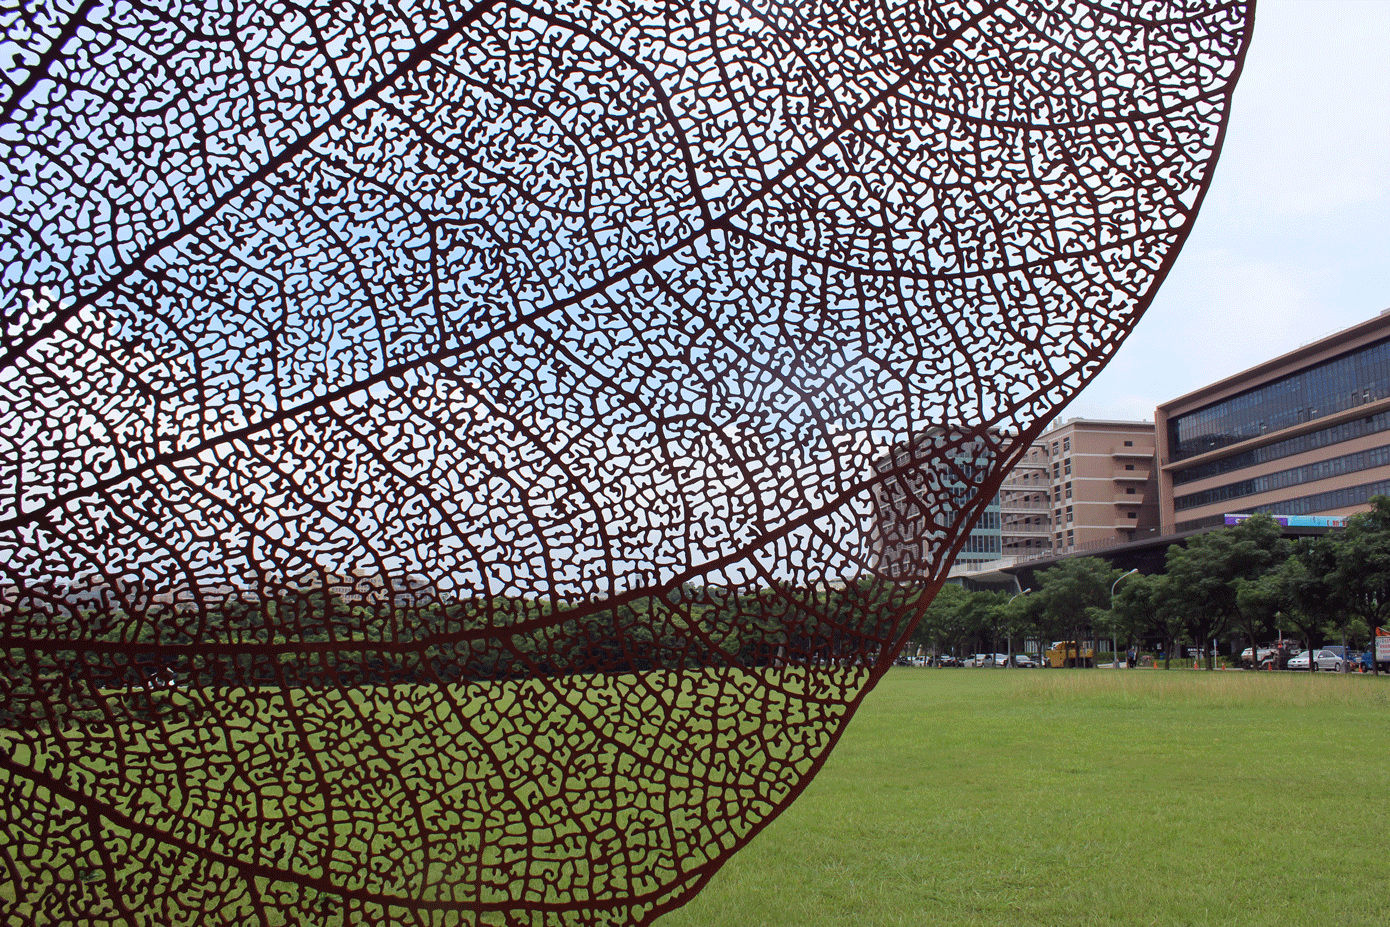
<point x="597" y="790"/>
<point x="955" y="797"/>
<point x="1083" y="797"/>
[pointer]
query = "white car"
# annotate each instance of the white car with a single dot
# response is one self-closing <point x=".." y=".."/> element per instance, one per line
<point x="1326" y="660"/>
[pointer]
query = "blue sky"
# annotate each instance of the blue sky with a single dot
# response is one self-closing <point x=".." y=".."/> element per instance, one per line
<point x="1293" y="242"/>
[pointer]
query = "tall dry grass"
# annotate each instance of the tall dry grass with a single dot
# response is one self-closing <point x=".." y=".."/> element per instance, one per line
<point x="1216" y="689"/>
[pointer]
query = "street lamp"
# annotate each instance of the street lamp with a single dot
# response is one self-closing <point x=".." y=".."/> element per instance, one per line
<point x="1117" y="581"/>
<point x="1113" y="651"/>
<point x="1009" y="664"/>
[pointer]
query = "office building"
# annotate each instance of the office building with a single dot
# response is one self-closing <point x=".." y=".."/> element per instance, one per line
<point x="1025" y="506"/>
<point x="937" y="477"/>
<point x="1083" y="485"/>
<point x="1100" y="475"/>
<point x="1304" y="434"/>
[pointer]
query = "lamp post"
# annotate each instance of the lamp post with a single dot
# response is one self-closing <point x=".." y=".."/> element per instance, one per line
<point x="1009" y="664"/>
<point x="1112" y="606"/>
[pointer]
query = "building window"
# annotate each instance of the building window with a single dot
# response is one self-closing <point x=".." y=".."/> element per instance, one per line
<point x="1129" y="491"/>
<point x="1056" y="471"/>
<point x="1133" y="514"/>
<point x="1069" y="508"/>
<point x="1129" y="466"/>
<point x="1066" y="444"/>
<point x="1069" y="490"/>
<point x="1357" y="377"/>
<point x="1129" y="444"/>
<point x="1325" y="437"/>
<point x="1323" y="469"/>
<point x="1056" y="494"/>
<point x="1066" y="466"/>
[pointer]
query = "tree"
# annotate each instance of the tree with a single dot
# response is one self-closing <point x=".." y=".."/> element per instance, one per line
<point x="1259" y="603"/>
<point x="1017" y="619"/>
<point x="984" y="615"/>
<point x="1131" y="612"/>
<point x="1201" y="577"/>
<point x="940" y="626"/>
<point x="1360" y="566"/>
<point x="1166" y="620"/>
<point x="1068" y="590"/>
<point x="1305" y="581"/>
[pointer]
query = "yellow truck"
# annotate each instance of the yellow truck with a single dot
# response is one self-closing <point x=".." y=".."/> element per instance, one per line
<point x="1063" y="654"/>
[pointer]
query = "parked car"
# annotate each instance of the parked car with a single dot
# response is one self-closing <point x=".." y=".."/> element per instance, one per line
<point x="1325" y="660"/>
<point x="1364" y="661"/>
<point x="947" y="660"/>
<point x="996" y="659"/>
<point x="1023" y="661"/>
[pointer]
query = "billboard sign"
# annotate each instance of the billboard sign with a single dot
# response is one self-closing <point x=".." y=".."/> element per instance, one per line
<point x="1382" y="646"/>
<point x="1297" y="521"/>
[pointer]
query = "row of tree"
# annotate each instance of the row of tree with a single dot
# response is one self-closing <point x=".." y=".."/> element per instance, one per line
<point x="1243" y="584"/>
<point x="63" y="658"/>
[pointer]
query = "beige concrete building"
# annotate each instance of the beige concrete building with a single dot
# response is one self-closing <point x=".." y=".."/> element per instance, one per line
<point x="1025" y="506"/>
<point x="1101" y="479"/>
<point x="1303" y="435"/>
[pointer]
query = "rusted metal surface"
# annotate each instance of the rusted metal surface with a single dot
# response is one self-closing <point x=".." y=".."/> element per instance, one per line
<point x="465" y="464"/>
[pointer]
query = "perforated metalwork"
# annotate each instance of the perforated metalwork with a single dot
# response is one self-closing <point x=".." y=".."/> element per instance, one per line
<point x="464" y="464"/>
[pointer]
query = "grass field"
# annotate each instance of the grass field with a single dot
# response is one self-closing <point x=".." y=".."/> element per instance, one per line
<point x="955" y="797"/>
<point x="1083" y="797"/>
<point x="282" y="805"/>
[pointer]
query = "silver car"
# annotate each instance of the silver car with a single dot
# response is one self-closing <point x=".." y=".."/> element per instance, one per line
<point x="1326" y="660"/>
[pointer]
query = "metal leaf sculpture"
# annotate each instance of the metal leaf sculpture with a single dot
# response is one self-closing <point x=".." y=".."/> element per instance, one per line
<point x="464" y="464"/>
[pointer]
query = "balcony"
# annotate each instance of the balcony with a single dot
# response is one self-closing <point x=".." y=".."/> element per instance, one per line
<point x="1006" y="506"/>
<point x="1126" y="499"/>
<point x="1136" y="474"/>
<point x="1011" y="531"/>
<point x="1145" y="453"/>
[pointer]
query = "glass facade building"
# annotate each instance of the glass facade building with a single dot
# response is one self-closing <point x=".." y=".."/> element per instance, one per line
<point x="986" y="540"/>
<point x="934" y="480"/>
<point x="1302" y="434"/>
<point x="1359" y="377"/>
<point x="1294" y="476"/>
<point x="1313" y="440"/>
